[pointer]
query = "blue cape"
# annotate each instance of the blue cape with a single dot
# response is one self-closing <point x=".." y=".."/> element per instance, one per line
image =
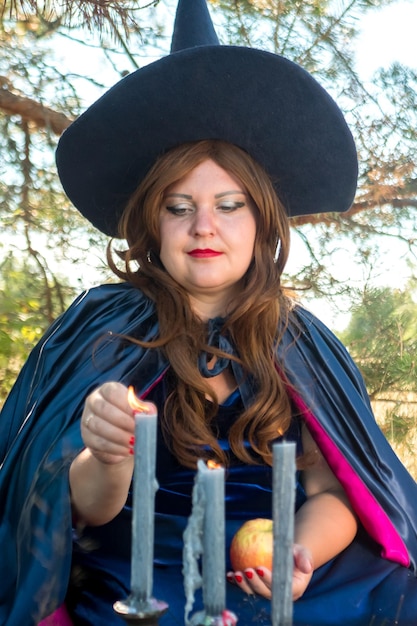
<point x="40" y="436"/>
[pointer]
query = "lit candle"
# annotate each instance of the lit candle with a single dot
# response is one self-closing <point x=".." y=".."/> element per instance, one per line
<point x="283" y="515"/>
<point x="144" y="488"/>
<point x="211" y="479"/>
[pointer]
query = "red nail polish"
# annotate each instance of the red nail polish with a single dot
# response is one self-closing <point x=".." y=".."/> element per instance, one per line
<point x="238" y="578"/>
<point x="132" y="441"/>
<point x="249" y="575"/>
<point x="260" y="572"/>
<point x="230" y="577"/>
<point x="131" y="451"/>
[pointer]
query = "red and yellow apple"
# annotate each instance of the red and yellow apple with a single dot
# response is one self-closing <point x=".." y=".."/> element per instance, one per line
<point x="252" y="545"/>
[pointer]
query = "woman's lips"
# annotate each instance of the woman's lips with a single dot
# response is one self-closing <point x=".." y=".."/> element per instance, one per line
<point x="204" y="253"/>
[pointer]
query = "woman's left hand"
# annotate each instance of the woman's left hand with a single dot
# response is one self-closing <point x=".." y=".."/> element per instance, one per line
<point x="253" y="580"/>
<point x="303" y="570"/>
<point x="259" y="579"/>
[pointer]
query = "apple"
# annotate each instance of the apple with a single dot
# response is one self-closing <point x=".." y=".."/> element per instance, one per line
<point x="252" y="545"/>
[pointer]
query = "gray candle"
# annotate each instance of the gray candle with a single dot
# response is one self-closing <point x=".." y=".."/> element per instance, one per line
<point x="144" y="488"/>
<point x="214" y="565"/>
<point x="283" y="516"/>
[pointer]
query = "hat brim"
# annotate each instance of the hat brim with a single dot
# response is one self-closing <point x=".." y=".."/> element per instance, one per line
<point x="265" y="104"/>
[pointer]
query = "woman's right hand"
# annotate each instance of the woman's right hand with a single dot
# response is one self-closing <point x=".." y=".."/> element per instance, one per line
<point x="108" y="424"/>
<point x="101" y="474"/>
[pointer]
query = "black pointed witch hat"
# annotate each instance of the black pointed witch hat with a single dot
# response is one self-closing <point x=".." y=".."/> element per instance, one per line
<point x="262" y="102"/>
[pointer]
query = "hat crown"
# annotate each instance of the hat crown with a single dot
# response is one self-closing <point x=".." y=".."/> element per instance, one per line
<point x="193" y="26"/>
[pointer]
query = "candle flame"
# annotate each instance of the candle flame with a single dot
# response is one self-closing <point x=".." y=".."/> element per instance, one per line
<point x="135" y="403"/>
<point x="213" y="465"/>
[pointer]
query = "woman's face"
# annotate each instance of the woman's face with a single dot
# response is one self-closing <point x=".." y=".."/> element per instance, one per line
<point x="207" y="231"/>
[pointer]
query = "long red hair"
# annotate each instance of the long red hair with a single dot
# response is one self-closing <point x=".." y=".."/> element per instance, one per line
<point x="254" y="322"/>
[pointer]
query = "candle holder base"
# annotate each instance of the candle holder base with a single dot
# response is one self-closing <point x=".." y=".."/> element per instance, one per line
<point x="146" y="613"/>
<point x="225" y="618"/>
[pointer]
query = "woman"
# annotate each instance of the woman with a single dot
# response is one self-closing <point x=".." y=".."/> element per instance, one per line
<point x="202" y="328"/>
<point x="213" y="238"/>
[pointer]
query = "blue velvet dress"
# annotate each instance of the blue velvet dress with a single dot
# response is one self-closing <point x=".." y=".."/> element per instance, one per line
<point x="354" y="589"/>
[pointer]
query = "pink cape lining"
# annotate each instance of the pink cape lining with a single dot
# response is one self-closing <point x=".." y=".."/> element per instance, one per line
<point x="59" y="617"/>
<point x="374" y="519"/>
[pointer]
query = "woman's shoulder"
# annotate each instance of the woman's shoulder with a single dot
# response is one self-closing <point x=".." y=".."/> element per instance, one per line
<point x="298" y="312"/>
<point x="103" y="309"/>
<point x="303" y="323"/>
<point x="308" y="341"/>
<point x="109" y="292"/>
<point x="311" y="351"/>
<point x="114" y="297"/>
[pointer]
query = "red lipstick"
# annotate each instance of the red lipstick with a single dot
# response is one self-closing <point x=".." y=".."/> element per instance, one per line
<point x="204" y="253"/>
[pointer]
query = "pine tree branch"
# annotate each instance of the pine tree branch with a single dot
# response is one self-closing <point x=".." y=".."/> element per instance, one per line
<point x="31" y="111"/>
<point x="357" y="207"/>
<point x="94" y="14"/>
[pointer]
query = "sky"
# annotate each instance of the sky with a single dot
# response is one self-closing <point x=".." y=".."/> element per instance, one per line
<point x="388" y="35"/>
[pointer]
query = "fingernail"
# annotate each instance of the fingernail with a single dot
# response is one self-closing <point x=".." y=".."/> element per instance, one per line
<point x="132" y="441"/>
<point x="131" y="451"/>
<point x="260" y="572"/>
<point x="249" y="575"/>
<point x="230" y="577"/>
<point x="238" y="578"/>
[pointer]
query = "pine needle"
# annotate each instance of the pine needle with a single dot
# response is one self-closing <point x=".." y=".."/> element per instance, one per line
<point x="94" y="14"/>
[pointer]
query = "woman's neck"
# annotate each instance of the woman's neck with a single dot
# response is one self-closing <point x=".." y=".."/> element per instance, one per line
<point x="207" y="308"/>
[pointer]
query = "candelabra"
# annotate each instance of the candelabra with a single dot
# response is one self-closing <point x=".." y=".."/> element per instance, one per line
<point x="145" y="613"/>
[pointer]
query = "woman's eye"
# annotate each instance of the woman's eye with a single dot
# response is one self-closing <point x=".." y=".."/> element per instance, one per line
<point x="179" y="209"/>
<point x="186" y="209"/>
<point x="231" y="206"/>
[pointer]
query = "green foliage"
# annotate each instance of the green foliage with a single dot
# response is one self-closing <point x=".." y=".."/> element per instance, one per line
<point x="382" y="338"/>
<point x="28" y="304"/>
